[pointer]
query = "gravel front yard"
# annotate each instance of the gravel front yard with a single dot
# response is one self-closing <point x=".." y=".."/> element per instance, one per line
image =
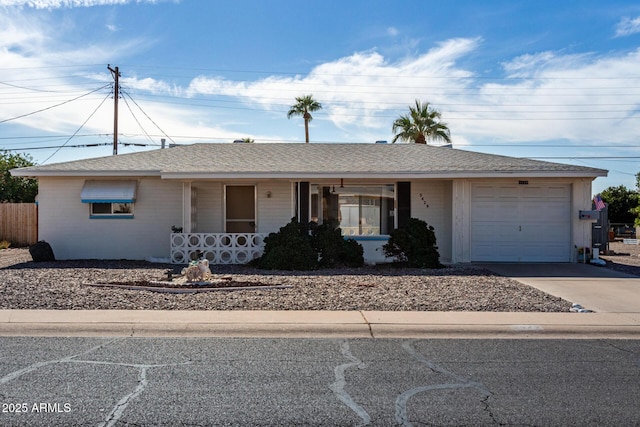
<point x="64" y="285"/>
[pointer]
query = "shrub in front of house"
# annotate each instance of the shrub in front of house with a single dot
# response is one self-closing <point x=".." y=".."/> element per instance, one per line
<point x="307" y="247"/>
<point x="288" y="249"/>
<point x="332" y="248"/>
<point x="414" y="245"/>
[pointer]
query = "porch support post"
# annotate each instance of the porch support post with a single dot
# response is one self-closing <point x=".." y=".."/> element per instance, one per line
<point x="404" y="203"/>
<point x="303" y="202"/>
<point x="186" y="207"/>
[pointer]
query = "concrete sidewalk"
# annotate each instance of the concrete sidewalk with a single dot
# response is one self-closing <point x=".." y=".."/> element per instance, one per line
<point x="320" y="324"/>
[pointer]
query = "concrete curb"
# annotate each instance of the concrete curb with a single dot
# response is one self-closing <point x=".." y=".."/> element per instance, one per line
<point x="317" y="324"/>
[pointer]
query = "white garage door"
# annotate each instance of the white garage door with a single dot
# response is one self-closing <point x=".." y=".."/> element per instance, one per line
<point x="520" y="223"/>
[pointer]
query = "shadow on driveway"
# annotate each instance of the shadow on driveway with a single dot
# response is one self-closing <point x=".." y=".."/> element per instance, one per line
<point x="569" y="270"/>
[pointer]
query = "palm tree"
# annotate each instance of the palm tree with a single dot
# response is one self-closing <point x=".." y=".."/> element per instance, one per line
<point x="304" y="106"/>
<point x="420" y="125"/>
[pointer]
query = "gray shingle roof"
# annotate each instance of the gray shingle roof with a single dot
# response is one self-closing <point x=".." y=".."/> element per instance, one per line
<point x="308" y="160"/>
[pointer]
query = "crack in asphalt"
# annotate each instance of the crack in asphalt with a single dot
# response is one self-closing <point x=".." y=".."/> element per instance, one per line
<point x="35" y="366"/>
<point x="118" y="410"/>
<point x="460" y="382"/>
<point x="338" y="385"/>
<point x="611" y="344"/>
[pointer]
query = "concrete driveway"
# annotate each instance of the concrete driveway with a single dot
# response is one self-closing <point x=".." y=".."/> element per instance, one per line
<point x="595" y="288"/>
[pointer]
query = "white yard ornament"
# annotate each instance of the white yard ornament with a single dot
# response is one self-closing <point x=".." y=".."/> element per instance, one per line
<point x="197" y="271"/>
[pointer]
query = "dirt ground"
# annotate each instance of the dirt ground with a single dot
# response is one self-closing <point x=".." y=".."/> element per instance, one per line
<point x="624" y="258"/>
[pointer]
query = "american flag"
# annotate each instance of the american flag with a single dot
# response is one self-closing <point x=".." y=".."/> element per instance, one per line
<point x="597" y="200"/>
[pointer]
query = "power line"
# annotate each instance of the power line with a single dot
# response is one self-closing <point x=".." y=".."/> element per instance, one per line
<point x="137" y="121"/>
<point x="23" y="87"/>
<point x="448" y="117"/>
<point x="296" y="73"/>
<point x="135" y="144"/>
<point x="53" y="106"/>
<point x="98" y="144"/>
<point x="50" y="66"/>
<point x="81" y="126"/>
<point x="126" y="93"/>
<point x="50" y="136"/>
<point x="378" y="103"/>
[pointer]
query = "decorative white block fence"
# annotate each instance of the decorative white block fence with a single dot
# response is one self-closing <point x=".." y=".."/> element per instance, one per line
<point x="218" y="248"/>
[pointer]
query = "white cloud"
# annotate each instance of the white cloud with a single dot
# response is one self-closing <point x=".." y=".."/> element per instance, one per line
<point x="544" y="96"/>
<point x="550" y="96"/>
<point x="356" y="90"/>
<point x="627" y="27"/>
<point x="392" y="31"/>
<point x="151" y="85"/>
<point x="30" y="59"/>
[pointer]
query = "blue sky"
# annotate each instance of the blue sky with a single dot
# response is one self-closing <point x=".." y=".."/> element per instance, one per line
<point x="555" y="80"/>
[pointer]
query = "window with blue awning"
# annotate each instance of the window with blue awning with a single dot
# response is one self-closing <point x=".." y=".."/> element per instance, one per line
<point x="103" y="191"/>
<point x="109" y="199"/>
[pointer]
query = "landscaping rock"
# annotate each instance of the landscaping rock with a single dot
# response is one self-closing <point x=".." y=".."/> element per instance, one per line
<point x="42" y="252"/>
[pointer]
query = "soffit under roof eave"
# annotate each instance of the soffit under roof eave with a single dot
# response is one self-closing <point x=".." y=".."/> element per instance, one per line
<point x="387" y="175"/>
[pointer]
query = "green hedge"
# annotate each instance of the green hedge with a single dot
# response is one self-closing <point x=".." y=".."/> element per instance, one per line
<point x="414" y="244"/>
<point x="309" y="246"/>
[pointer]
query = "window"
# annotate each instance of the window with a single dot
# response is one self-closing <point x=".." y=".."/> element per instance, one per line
<point x="358" y="210"/>
<point x="109" y="199"/>
<point x="111" y="210"/>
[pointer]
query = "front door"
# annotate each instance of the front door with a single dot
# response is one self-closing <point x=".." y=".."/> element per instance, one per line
<point x="240" y="210"/>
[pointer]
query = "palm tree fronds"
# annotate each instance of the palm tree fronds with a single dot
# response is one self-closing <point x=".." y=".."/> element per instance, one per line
<point x="422" y="124"/>
<point x="304" y="106"/>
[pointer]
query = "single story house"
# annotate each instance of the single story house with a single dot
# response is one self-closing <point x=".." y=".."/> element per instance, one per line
<point x="221" y="200"/>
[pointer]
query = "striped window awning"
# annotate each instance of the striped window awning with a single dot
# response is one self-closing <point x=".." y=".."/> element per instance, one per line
<point x="102" y="191"/>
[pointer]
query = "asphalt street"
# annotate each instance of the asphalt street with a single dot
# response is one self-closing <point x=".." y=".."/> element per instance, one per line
<point x="345" y="382"/>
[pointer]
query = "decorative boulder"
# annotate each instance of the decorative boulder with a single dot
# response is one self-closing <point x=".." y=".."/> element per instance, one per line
<point x="41" y="252"/>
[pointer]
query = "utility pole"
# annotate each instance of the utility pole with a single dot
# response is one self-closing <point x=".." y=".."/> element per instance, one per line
<point x="116" y="75"/>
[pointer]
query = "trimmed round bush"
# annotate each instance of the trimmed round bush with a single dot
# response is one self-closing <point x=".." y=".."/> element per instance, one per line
<point x="306" y="247"/>
<point x="414" y="244"/>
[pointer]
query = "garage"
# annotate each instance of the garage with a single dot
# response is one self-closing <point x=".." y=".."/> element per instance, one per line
<point x="520" y="222"/>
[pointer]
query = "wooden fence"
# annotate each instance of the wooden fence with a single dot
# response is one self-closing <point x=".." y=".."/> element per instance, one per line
<point x="19" y="223"/>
